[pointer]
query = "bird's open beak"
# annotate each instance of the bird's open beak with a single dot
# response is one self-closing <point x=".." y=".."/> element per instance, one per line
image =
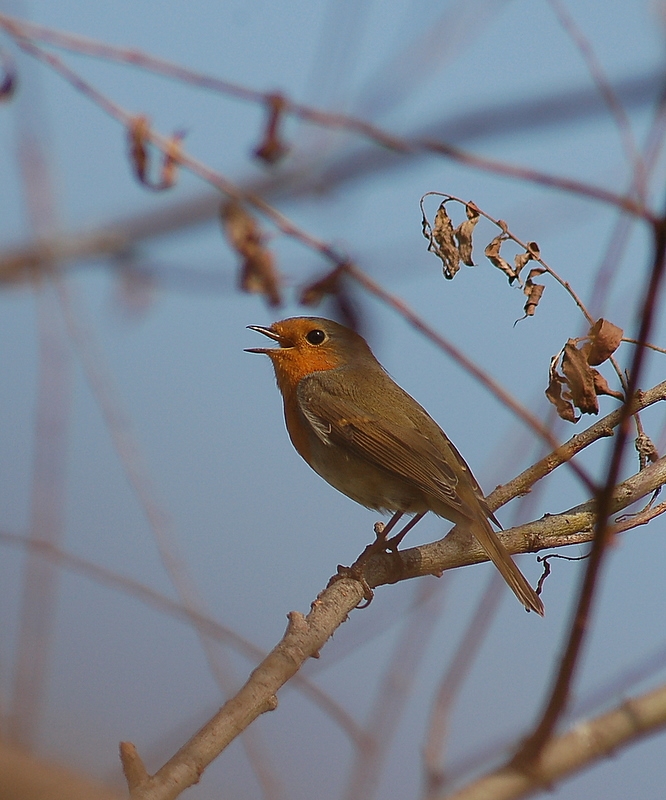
<point x="267" y="332"/>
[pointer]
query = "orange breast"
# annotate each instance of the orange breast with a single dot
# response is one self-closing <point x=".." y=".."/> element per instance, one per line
<point x="291" y="366"/>
<point x="297" y="428"/>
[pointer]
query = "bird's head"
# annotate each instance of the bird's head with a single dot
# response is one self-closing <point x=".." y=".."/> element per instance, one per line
<point x="310" y="344"/>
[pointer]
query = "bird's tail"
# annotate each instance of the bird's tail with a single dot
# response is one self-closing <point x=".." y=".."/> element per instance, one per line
<point x="501" y="558"/>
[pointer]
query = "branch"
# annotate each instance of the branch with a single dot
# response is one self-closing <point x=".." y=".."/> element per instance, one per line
<point x="556" y="704"/>
<point x="574" y="526"/>
<point x="23" y="32"/>
<point x="306" y="635"/>
<point x="303" y="639"/>
<point x="523" y="483"/>
<point x="581" y="747"/>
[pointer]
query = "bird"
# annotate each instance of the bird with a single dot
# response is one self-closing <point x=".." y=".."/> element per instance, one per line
<point x="371" y="440"/>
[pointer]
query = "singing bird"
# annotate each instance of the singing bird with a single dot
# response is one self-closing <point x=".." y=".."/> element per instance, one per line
<point x="372" y="441"/>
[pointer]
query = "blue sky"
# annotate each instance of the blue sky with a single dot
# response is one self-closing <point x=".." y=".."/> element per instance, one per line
<point x="259" y="532"/>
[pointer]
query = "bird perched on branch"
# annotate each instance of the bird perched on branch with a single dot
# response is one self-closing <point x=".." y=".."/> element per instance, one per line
<point x="372" y="441"/>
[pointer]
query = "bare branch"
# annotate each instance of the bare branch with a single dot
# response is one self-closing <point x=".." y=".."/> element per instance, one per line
<point x="22" y="35"/>
<point x="522" y="484"/>
<point x="581" y="747"/>
<point x="559" y="696"/>
<point x="306" y="635"/>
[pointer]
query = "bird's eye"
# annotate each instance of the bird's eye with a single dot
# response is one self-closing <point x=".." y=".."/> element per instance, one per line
<point x="315" y="336"/>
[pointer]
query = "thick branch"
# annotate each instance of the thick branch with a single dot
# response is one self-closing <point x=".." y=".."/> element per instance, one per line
<point x="303" y="639"/>
<point x="581" y="747"/>
<point x="306" y="635"/>
<point x="559" y="694"/>
<point x="573" y="526"/>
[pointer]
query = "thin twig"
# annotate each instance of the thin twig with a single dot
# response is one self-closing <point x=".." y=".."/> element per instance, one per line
<point x="603" y="428"/>
<point x="21" y="33"/>
<point x="620" y="235"/>
<point x="37" y="615"/>
<point x="602" y="83"/>
<point x="649" y="345"/>
<point x="529" y="753"/>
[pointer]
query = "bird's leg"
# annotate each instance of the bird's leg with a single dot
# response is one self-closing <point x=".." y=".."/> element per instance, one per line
<point x="382" y="531"/>
<point x="394" y="543"/>
<point x="380" y="545"/>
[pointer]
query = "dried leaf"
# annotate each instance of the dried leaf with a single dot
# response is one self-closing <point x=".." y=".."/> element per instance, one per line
<point x="560" y="400"/>
<point x="601" y="385"/>
<point x="334" y="286"/>
<point x="442" y="243"/>
<point x="533" y="291"/>
<point x="314" y="293"/>
<point x="584" y="383"/>
<point x="579" y="378"/>
<point x="521" y="259"/>
<point x="171" y="161"/>
<point x="258" y="273"/>
<point x="604" y="338"/>
<point x="240" y="227"/>
<point x="139" y="131"/>
<point x="492" y="253"/>
<point x="463" y="234"/>
<point x="272" y="148"/>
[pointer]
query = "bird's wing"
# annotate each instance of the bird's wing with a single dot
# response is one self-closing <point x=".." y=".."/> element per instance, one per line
<point x="396" y="448"/>
<point x="402" y="450"/>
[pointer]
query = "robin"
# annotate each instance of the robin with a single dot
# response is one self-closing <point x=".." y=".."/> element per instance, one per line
<point x="372" y="441"/>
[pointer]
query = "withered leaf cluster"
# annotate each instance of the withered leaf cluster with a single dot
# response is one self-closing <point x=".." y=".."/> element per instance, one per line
<point x="531" y="290"/>
<point x="273" y="148"/>
<point x="454" y="245"/>
<point x="138" y="134"/>
<point x="579" y="384"/>
<point x="492" y="253"/>
<point x="451" y="245"/>
<point x="258" y="273"/>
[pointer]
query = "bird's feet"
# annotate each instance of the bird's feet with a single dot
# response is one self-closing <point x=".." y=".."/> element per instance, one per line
<point x="355" y="572"/>
<point x="381" y="545"/>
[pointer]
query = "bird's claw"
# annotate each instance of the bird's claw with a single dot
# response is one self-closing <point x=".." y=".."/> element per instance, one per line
<point x="355" y="572"/>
